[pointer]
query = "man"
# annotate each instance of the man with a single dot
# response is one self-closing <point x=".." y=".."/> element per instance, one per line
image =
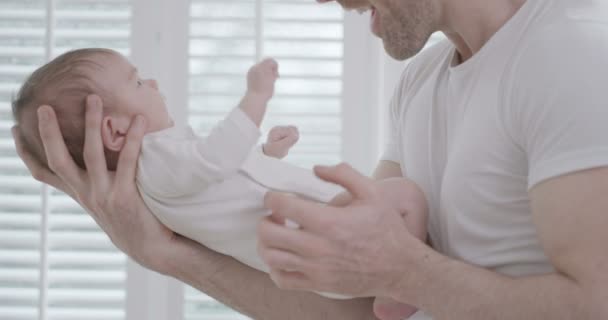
<point x="503" y="127"/>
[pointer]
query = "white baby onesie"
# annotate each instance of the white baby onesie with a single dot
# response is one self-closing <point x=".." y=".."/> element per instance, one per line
<point x="211" y="189"/>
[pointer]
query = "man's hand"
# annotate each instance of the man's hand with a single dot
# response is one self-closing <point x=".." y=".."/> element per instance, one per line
<point x="111" y="198"/>
<point x="359" y="249"/>
<point x="280" y="140"/>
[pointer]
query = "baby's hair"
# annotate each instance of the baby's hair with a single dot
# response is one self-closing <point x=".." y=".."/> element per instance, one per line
<point x="63" y="83"/>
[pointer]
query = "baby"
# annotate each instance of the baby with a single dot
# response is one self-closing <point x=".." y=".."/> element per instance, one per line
<point x="209" y="189"/>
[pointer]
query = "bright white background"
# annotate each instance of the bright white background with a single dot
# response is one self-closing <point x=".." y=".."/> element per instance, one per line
<point x="335" y="85"/>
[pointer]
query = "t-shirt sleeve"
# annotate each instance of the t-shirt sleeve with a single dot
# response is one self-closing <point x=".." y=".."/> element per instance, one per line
<point x="392" y="146"/>
<point x="558" y="103"/>
<point x="179" y="164"/>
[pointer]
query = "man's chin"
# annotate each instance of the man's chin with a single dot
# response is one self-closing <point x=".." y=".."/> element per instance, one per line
<point x="397" y="54"/>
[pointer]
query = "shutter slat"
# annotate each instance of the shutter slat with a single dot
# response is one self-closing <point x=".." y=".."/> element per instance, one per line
<point x="87" y="259"/>
<point x="19" y="257"/>
<point x="89" y="296"/>
<point x="74" y="313"/>
<point x="11" y="51"/>
<point x="80" y="278"/>
<point x="18" y="313"/>
<point x="19" y="275"/>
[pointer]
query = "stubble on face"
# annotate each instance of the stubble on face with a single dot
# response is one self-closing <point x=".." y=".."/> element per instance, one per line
<point x="406" y="27"/>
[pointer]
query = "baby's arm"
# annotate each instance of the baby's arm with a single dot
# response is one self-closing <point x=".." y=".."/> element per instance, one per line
<point x="177" y="164"/>
<point x="260" y="88"/>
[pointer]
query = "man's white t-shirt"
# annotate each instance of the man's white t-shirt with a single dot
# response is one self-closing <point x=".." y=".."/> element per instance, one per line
<point x="531" y="105"/>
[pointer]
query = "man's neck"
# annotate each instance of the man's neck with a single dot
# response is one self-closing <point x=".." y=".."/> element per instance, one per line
<point x="469" y="24"/>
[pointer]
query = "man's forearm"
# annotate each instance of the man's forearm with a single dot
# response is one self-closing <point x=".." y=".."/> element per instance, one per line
<point x="252" y="293"/>
<point x="450" y="289"/>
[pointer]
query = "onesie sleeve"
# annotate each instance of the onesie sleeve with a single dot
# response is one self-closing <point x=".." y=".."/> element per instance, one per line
<point x="557" y="103"/>
<point x="177" y="162"/>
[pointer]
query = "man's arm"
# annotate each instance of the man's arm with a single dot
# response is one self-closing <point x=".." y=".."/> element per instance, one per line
<point x="252" y="292"/>
<point x="113" y="201"/>
<point x="570" y="213"/>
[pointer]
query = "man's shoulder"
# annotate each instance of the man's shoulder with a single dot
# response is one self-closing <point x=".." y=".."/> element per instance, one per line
<point x="424" y="68"/>
<point x="556" y="77"/>
<point x="573" y="27"/>
<point x="570" y="37"/>
<point x="429" y="60"/>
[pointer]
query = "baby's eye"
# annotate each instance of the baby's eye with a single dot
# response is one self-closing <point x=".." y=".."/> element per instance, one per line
<point x="139" y="82"/>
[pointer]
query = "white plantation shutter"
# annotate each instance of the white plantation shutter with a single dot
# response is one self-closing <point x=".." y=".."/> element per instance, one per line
<point x="226" y="38"/>
<point x="22" y="47"/>
<point x="54" y="261"/>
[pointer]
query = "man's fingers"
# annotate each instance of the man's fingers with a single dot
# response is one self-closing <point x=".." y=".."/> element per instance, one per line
<point x="274" y="235"/>
<point x="360" y="186"/>
<point x="276" y="219"/>
<point x="127" y="161"/>
<point x="279" y="259"/>
<point x="307" y="214"/>
<point x="290" y="280"/>
<point x="38" y="171"/>
<point x="341" y="200"/>
<point x="57" y="155"/>
<point x="94" y="156"/>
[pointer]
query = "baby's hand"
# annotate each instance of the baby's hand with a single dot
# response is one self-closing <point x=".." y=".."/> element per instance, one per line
<point x="280" y="140"/>
<point x="261" y="78"/>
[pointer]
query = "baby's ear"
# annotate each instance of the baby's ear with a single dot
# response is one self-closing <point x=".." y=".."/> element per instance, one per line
<point x="114" y="132"/>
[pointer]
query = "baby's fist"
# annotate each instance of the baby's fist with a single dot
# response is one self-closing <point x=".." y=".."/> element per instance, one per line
<point x="280" y="140"/>
<point x="261" y="78"/>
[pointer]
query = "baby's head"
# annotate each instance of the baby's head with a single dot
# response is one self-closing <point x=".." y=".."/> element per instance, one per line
<point x="64" y="84"/>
